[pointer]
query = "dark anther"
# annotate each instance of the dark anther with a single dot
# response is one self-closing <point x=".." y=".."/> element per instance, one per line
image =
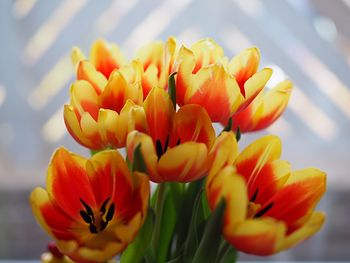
<point x="110" y="213"/>
<point x="87" y="208"/>
<point x="103" y="207"/>
<point x="159" y="148"/>
<point x="178" y="142"/>
<point x="86" y="217"/>
<point x="93" y="229"/>
<point x="254" y="195"/>
<point x="166" y="144"/>
<point x="264" y="210"/>
<point x="103" y="225"/>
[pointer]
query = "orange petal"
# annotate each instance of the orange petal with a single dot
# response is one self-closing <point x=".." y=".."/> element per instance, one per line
<point x="186" y="63"/>
<point x="254" y="85"/>
<point x="244" y="65"/>
<point x="86" y="71"/>
<point x="223" y="152"/>
<point x="73" y="127"/>
<point x="295" y="201"/>
<point x="118" y="91"/>
<point x="159" y="113"/>
<point x="216" y="91"/>
<point x="265" y="109"/>
<point x="256" y="236"/>
<point x="252" y="160"/>
<point x="106" y="57"/>
<point x="110" y="178"/>
<point x="83" y="98"/>
<point x="231" y="186"/>
<point x="67" y="182"/>
<point x="311" y="226"/>
<point x="192" y="123"/>
<point x="206" y="52"/>
<point x="186" y="162"/>
<point x="148" y="151"/>
<point x="50" y="217"/>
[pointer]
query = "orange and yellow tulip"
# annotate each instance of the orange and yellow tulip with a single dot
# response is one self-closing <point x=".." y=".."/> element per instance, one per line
<point x="205" y="77"/>
<point x="264" y="110"/>
<point x="92" y="208"/>
<point x="101" y="112"/>
<point x="157" y="59"/>
<point x="104" y="56"/>
<point x="269" y="208"/>
<point x="178" y="143"/>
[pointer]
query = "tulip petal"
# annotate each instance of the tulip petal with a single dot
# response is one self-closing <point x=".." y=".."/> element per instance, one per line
<point x="265" y="109"/>
<point x="311" y="226"/>
<point x="50" y="217"/>
<point x="110" y="178"/>
<point x="295" y="201"/>
<point x="184" y="163"/>
<point x="257" y="236"/>
<point x="68" y="183"/>
<point x="192" y="123"/>
<point x="106" y="57"/>
<point x="83" y="98"/>
<point x="215" y="90"/>
<point x="244" y="65"/>
<point x="186" y="63"/>
<point x="206" y="52"/>
<point x="73" y="127"/>
<point x="229" y="185"/>
<point x="147" y="149"/>
<point x="254" y="157"/>
<point x="77" y="55"/>
<point x="159" y="113"/>
<point x="254" y="85"/>
<point x="224" y="152"/>
<point x="86" y="71"/>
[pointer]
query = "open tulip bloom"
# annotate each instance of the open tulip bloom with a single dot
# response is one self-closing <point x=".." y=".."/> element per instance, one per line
<point x="210" y="200"/>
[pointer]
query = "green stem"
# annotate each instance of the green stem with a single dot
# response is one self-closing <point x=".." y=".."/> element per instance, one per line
<point x="159" y="211"/>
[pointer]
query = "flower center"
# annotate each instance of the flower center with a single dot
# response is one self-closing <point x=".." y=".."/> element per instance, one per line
<point x="256" y="210"/>
<point x="160" y="149"/>
<point x="97" y="220"/>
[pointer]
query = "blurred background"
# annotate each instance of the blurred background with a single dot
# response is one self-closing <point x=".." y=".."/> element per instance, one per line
<point x="307" y="41"/>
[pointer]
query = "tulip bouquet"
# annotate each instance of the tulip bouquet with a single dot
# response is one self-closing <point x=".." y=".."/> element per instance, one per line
<point x="209" y="199"/>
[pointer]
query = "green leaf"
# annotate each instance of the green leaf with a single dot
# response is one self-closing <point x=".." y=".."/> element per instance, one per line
<point x="227" y="253"/>
<point x="186" y="212"/>
<point x="172" y="88"/>
<point x="210" y="243"/>
<point x="138" y="163"/>
<point x="138" y="248"/>
<point x="166" y="229"/>
<point x="196" y="228"/>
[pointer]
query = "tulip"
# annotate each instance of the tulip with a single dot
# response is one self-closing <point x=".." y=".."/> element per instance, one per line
<point x="157" y="59"/>
<point x="101" y="112"/>
<point x="264" y="110"/>
<point x="177" y="145"/>
<point x="92" y="208"/>
<point x="205" y="77"/>
<point x="269" y="208"/>
<point x="104" y="56"/>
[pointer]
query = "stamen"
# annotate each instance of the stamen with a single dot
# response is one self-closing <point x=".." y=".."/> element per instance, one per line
<point x="264" y="210"/>
<point x="110" y="213"/>
<point x="166" y="144"/>
<point x="254" y="195"/>
<point x="159" y="148"/>
<point x="87" y="208"/>
<point x="93" y="229"/>
<point x="103" y="207"/>
<point x="178" y="142"/>
<point x="85" y="217"/>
